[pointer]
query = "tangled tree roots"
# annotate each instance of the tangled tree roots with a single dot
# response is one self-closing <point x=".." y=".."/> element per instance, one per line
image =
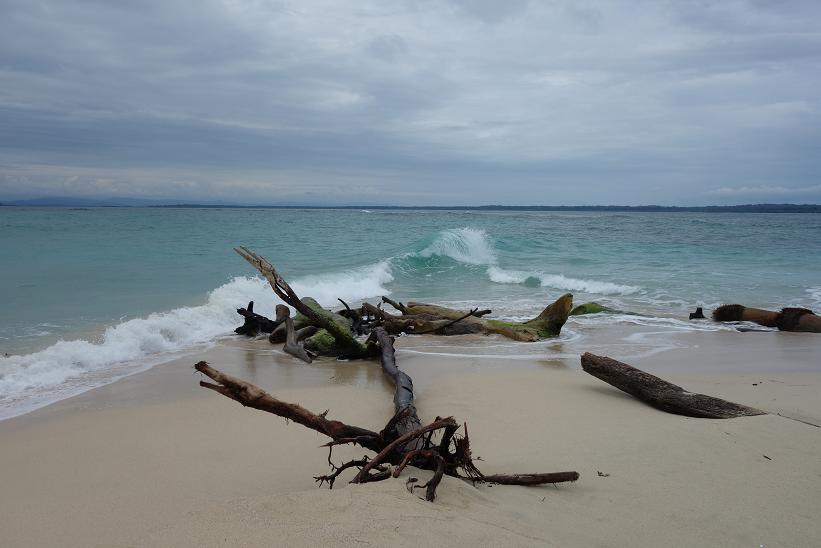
<point x="438" y="446"/>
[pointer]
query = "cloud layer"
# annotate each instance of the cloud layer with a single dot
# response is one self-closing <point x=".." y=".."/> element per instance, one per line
<point x="459" y="102"/>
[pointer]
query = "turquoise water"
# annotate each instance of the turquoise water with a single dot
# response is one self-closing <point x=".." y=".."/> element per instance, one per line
<point x="91" y="292"/>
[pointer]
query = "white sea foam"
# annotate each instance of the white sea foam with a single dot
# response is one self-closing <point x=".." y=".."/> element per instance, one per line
<point x="70" y="367"/>
<point x="815" y="295"/>
<point x="356" y="284"/>
<point x="474" y="247"/>
<point x="559" y="281"/>
<point x="466" y="245"/>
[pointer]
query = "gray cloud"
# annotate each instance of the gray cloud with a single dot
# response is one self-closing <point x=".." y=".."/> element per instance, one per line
<point x="412" y="102"/>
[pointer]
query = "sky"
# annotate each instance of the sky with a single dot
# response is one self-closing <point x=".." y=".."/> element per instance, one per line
<point x="680" y="102"/>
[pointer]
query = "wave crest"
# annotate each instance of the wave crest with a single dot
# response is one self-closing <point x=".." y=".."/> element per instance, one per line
<point x="465" y="245"/>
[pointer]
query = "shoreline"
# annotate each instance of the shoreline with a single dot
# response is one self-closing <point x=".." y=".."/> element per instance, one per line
<point x="153" y="459"/>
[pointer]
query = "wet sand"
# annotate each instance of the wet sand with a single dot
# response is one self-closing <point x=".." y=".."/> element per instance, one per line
<point x="154" y="460"/>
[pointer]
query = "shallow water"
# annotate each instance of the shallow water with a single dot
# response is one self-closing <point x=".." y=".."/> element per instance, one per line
<point x="93" y="294"/>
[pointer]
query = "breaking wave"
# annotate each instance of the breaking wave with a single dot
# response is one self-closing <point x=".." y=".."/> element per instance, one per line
<point x="67" y="368"/>
<point x="473" y="246"/>
<point x="465" y="245"/>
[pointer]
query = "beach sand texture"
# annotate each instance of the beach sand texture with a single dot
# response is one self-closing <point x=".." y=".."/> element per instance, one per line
<point x="154" y="460"/>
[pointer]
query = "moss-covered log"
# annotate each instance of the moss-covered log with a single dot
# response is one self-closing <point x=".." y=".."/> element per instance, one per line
<point x="419" y="317"/>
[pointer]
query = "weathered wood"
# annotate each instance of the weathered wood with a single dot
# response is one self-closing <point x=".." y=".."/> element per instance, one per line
<point x="531" y="479"/>
<point x="403" y="395"/>
<point x="250" y="395"/>
<point x="738" y="313"/>
<point x="423" y="318"/>
<point x="255" y="324"/>
<point x="340" y="331"/>
<point x="660" y="393"/>
<point x="450" y="455"/>
<point x="293" y="345"/>
<point x="698" y="314"/>
<point x="799" y="319"/>
<point x="788" y="319"/>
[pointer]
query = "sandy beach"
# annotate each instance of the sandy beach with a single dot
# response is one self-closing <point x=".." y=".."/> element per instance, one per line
<point x="154" y="460"/>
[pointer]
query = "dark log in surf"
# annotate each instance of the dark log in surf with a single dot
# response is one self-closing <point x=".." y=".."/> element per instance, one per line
<point x="255" y="324"/>
<point x="788" y="319"/>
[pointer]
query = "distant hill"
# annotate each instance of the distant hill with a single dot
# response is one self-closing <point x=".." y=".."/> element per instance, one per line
<point x="67" y="201"/>
<point x="58" y="201"/>
<point x="747" y="208"/>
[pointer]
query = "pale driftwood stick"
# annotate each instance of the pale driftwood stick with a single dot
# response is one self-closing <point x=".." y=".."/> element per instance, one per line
<point x="252" y="396"/>
<point x="398" y="306"/>
<point x="660" y="393"/>
<point x="293" y="346"/>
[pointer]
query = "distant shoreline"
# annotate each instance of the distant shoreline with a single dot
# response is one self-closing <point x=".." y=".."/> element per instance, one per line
<point x="745" y="208"/>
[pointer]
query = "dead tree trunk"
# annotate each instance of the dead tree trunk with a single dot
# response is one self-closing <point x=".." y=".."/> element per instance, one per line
<point x="406" y="418"/>
<point x="660" y="393"/>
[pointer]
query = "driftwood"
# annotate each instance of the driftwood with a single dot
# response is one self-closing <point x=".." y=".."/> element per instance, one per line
<point x="788" y="319"/>
<point x="438" y="446"/>
<point x="254" y="323"/>
<point x="404" y="441"/>
<point x="340" y="331"/>
<point x="293" y="341"/>
<point x="660" y="393"/>
<point x="698" y="314"/>
<point x="403" y="397"/>
<point x="422" y="318"/>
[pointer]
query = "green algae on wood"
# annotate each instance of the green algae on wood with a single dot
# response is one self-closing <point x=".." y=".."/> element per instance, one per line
<point x="547" y="324"/>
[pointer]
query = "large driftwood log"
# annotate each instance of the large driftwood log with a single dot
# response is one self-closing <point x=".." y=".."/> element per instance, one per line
<point x="788" y="319"/>
<point x="429" y="318"/>
<point x="660" y="393"/>
<point x="405" y="414"/>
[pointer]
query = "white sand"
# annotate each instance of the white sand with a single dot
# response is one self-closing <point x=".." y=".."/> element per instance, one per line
<point x="154" y="460"/>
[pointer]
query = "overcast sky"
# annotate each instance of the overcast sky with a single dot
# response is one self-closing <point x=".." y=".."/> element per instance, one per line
<point x="427" y="102"/>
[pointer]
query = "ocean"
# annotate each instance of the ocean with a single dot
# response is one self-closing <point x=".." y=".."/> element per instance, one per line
<point x="94" y="294"/>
